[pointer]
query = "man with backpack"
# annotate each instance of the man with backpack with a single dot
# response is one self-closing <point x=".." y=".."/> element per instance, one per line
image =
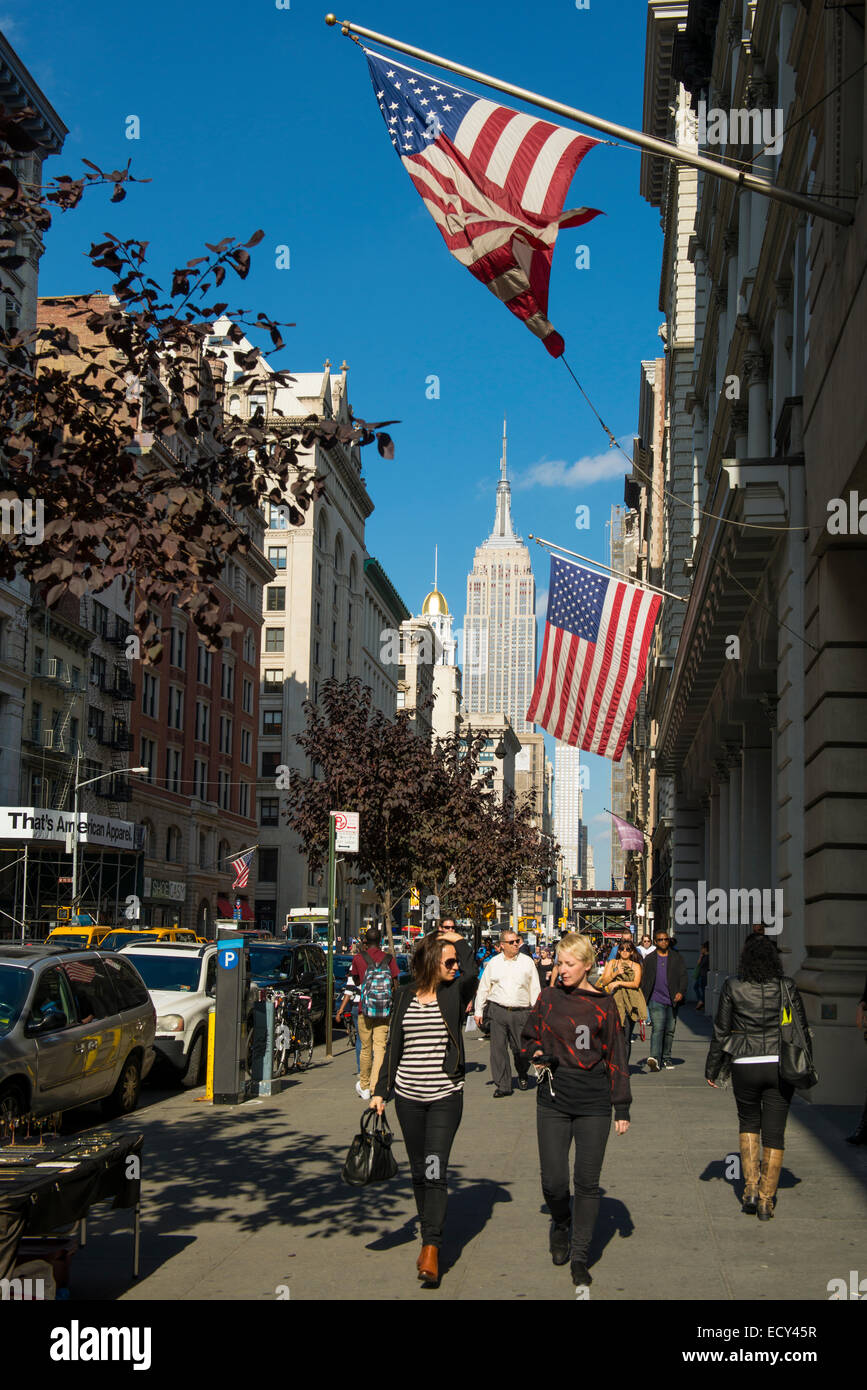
<point x="375" y="974"/>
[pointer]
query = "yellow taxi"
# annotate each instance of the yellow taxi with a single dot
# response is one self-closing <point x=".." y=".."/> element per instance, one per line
<point x="115" y="940"/>
<point x="82" y="938"/>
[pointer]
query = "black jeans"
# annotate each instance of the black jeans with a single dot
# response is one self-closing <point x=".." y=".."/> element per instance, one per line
<point x="429" y="1129"/>
<point x="556" y="1130"/>
<point x="762" y="1100"/>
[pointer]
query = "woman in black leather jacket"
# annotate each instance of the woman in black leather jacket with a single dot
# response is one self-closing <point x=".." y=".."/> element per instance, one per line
<point x="746" y="1043"/>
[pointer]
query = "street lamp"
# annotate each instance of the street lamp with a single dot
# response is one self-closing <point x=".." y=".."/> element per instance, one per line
<point x="78" y="787"/>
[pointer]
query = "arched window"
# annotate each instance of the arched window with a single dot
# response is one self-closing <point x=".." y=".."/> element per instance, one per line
<point x="322" y="541"/>
<point x="249" y="647"/>
<point x="234" y="405"/>
<point x="353" y="576"/>
<point x="338" y="554"/>
<point x="149" y="846"/>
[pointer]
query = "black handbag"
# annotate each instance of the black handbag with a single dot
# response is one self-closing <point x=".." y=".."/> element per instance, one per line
<point x="370" y="1157"/>
<point x="796" y="1062"/>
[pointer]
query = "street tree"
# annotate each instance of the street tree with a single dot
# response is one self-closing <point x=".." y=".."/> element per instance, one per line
<point x="86" y="397"/>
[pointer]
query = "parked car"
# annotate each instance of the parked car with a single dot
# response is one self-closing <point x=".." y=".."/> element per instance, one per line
<point x="75" y="1027"/>
<point x="121" y="937"/>
<point x="182" y="980"/>
<point x="293" y="965"/>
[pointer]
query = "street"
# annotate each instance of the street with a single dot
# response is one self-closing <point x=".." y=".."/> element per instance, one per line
<point x="248" y="1203"/>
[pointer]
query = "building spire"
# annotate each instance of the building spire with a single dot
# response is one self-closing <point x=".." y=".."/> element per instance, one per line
<point x="503" y="521"/>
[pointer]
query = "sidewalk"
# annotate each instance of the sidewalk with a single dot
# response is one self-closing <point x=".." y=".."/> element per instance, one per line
<point x="240" y="1201"/>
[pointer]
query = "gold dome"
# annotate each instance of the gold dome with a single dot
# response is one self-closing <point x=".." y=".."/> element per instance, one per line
<point x="434" y="603"/>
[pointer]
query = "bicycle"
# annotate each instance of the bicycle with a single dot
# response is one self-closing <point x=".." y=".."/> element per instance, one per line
<point x="349" y="1023"/>
<point x="297" y="1031"/>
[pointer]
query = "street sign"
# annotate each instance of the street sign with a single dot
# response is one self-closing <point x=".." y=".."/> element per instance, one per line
<point x="346" y="826"/>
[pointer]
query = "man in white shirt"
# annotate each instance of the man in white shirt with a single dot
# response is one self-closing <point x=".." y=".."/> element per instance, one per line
<point x="511" y="984"/>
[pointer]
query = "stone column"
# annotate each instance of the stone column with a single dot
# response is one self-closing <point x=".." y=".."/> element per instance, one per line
<point x="756" y="370"/>
<point x="740" y="428"/>
<point x="757" y="797"/>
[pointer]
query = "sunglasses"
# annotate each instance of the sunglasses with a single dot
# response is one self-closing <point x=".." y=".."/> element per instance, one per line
<point x="511" y="943"/>
<point x="451" y="963"/>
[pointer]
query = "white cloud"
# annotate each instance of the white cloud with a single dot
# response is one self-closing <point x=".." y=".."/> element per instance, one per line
<point x="541" y="605"/>
<point x="592" y="468"/>
<point x="9" y="26"/>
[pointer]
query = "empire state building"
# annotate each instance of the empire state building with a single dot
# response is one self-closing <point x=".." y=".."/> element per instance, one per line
<point x="500" y="625"/>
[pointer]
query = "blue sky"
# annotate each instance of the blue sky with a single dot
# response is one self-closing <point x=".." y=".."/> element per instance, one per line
<point x="256" y="116"/>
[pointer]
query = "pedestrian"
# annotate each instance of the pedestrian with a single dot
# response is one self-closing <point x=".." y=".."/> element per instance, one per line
<point x="859" y="1135"/>
<point x="664" y="986"/>
<point x="524" y="950"/>
<point x="511" y="983"/>
<point x="574" y="1035"/>
<point x="546" y="967"/>
<point x="424" y="1069"/>
<point x="646" y="946"/>
<point x="376" y="975"/>
<point x="352" y="1000"/>
<point x="746" y="1044"/>
<point x="699" y="975"/>
<point x="621" y="978"/>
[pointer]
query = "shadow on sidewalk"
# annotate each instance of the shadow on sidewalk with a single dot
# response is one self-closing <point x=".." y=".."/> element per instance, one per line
<point x="613" y="1220"/>
<point x="471" y="1207"/>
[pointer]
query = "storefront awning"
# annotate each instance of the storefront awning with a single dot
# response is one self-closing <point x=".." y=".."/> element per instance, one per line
<point x="224" y="908"/>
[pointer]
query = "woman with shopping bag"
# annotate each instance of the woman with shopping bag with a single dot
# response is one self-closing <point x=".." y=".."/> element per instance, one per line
<point x="424" y="1070"/>
<point x="621" y="978"/>
<point x="761" y="1039"/>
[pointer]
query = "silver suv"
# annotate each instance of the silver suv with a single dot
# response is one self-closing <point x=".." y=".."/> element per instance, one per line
<point x="75" y="1027"/>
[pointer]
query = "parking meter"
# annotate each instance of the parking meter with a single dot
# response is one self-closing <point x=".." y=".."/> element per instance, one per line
<point x="230" y="1035"/>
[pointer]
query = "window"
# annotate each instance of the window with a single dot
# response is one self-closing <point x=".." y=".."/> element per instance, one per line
<point x="269" y="810"/>
<point x="318" y="613"/>
<point x="247" y="696"/>
<point x="334" y="631"/>
<point x="128" y="985"/>
<point x="258" y="401"/>
<point x="272" y="721"/>
<point x="173" y="770"/>
<point x="97" y="669"/>
<point x="52" y="990"/>
<point x="200" y="779"/>
<point x="244" y="799"/>
<point x="173" y="845"/>
<point x="246" y="745"/>
<point x="203" y="721"/>
<point x="315" y="653"/>
<point x="274" y="638"/>
<point x="278" y="519"/>
<point x="277" y="556"/>
<point x="268" y="865"/>
<point x="249" y="647"/>
<point x="91" y="990"/>
<point x="319" y="574"/>
<point x="273" y="682"/>
<point x="100" y="618"/>
<point x="276" y="600"/>
<point x="224" y="790"/>
<point x="227" y="680"/>
<point x="176" y="707"/>
<point x="177" y="646"/>
<point x="203" y="665"/>
<point x="270" y="763"/>
<point x="95" y="723"/>
<point x="148" y="758"/>
<point x="203" y="850"/>
<point x="225" y="734"/>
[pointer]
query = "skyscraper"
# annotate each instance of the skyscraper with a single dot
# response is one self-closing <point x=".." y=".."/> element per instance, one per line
<point x="568" y="805"/>
<point x="500" y="625"/>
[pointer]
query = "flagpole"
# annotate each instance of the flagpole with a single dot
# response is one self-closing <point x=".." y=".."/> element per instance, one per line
<point x="751" y="182"/>
<point x="628" y="578"/>
<point x="629" y="823"/>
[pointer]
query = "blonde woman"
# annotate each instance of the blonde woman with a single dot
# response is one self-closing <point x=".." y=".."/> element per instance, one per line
<point x="574" y="1037"/>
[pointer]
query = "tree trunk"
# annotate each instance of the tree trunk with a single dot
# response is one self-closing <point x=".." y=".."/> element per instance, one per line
<point x="386" y="912"/>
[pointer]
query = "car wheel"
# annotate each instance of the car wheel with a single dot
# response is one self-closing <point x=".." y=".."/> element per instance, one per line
<point x="12" y="1104"/>
<point x="193" y="1075"/>
<point x="124" y="1098"/>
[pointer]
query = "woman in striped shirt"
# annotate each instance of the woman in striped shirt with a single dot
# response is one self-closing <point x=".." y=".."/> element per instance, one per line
<point x="424" y="1068"/>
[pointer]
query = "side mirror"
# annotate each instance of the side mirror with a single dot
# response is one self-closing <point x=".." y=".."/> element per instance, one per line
<point x="49" y="1020"/>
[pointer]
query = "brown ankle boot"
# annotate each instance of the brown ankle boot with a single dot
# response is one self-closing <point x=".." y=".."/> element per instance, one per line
<point x="772" y="1162"/>
<point x="750" y="1147"/>
<point x="428" y="1264"/>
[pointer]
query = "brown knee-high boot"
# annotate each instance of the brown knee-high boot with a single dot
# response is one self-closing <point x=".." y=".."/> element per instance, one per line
<point x="750" y="1149"/>
<point x="772" y="1162"/>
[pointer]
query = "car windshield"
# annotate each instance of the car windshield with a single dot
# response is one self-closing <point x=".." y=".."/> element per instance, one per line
<point x="14" y="988"/>
<point x="270" y="962"/>
<point x="70" y="938"/>
<point x="117" y="939"/>
<point x="178" y="971"/>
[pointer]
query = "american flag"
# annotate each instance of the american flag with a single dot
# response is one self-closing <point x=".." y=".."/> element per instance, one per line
<point x="597" y="634"/>
<point x="241" y="865"/>
<point x="494" y="180"/>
